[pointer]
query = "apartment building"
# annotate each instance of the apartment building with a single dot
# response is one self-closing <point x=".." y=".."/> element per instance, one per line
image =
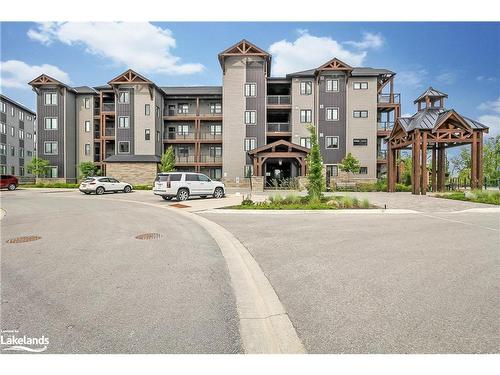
<point x="17" y="137"/>
<point x="253" y="125"/>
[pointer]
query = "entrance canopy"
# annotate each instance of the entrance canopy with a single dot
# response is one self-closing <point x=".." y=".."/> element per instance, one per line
<point x="280" y="149"/>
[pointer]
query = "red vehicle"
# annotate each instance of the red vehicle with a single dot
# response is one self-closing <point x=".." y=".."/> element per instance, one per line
<point x="9" y="182"/>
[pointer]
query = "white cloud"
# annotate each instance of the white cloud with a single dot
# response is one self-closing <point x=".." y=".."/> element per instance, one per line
<point x="413" y="78"/>
<point x="491" y="106"/>
<point x="140" y="46"/>
<point x="493" y="122"/>
<point x="16" y="74"/>
<point x="369" y="41"/>
<point x="447" y="77"/>
<point x="308" y="52"/>
<point x="486" y="79"/>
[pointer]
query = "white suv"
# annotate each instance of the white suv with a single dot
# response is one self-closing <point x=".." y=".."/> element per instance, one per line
<point x="185" y="184"/>
<point x="100" y="185"/>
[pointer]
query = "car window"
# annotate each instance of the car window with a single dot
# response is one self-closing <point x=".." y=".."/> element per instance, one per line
<point x="89" y="180"/>
<point x="113" y="180"/>
<point x="191" y="177"/>
<point x="161" y="178"/>
<point x="175" y="177"/>
<point x="202" y="177"/>
<point x="104" y="180"/>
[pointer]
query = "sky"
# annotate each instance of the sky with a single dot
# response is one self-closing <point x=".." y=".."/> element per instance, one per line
<point x="460" y="59"/>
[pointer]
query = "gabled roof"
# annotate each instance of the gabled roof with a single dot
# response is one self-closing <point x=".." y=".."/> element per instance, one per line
<point x="355" y="72"/>
<point x="85" y="90"/>
<point x="245" y="48"/>
<point x="129" y="77"/>
<point x="279" y="142"/>
<point x="431" y="93"/>
<point x="432" y="118"/>
<point x="17" y="104"/>
<point x="335" y="64"/>
<point x="45" y="80"/>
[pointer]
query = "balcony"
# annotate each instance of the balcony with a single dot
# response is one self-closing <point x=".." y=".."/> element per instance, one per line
<point x="97" y="134"/>
<point x="278" y="127"/>
<point x="385" y="126"/>
<point x="389" y="98"/>
<point x="210" y="159"/>
<point x="180" y="159"/>
<point x="108" y="107"/>
<point x="97" y="111"/>
<point x="283" y="100"/>
<point x="97" y="158"/>
<point x="109" y="132"/>
<point x="211" y="136"/>
<point x="175" y="136"/>
<point x="382" y="155"/>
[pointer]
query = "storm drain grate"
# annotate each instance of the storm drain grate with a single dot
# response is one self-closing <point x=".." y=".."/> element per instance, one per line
<point x="23" y="239"/>
<point x="179" y="205"/>
<point x="148" y="236"/>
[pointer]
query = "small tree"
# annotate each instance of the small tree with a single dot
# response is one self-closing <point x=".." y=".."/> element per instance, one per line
<point x="167" y="163"/>
<point x="37" y="166"/>
<point x="316" y="180"/>
<point x="349" y="164"/>
<point x="87" y="168"/>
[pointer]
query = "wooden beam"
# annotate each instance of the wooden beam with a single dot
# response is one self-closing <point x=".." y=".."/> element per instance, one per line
<point x="434" y="169"/>
<point x="424" y="178"/>
<point x="480" y="161"/>
<point x="473" y="164"/>
<point x="441" y="168"/>
<point x="416" y="164"/>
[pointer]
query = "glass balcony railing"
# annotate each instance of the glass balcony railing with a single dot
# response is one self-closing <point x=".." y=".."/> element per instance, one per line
<point x="181" y="136"/>
<point x="208" y="135"/>
<point x="385" y="126"/>
<point x="108" y="107"/>
<point x="210" y="159"/>
<point x="109" y="132"/>
<point x="278" y="127"/>
<point x="389" y="98"/>
<point x="279" y="100"/>
<point x="382" y="155"/>
<point x="184" y="159"/>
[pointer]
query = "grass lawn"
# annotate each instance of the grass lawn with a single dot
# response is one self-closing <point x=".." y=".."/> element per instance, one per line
<point x="296" y="202"/>
<point x="477" y="196"/>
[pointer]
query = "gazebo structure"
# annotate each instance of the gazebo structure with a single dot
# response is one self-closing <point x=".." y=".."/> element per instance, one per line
<point x="434" y="128"/>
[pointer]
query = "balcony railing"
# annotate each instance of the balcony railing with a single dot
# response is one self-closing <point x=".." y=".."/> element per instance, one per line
<point x="382" y="155"/>
<point x="210" y="113"/>
<point x="208" y="135"/>
<point x="389" y="98"/>
<point x="385" y="126"/>
<point x="279" y="100"/>
<point x="97" y="134"/>
<point x="108" y="107"/>
<point x="278" y="127"/>
<point x="170" y="112"/>
<point x="109" y="132"/>
<point x="97" y="158"/>
<point x="184" y="159"/>
<point x="181" y="136"/>
<point x="97" y="111"/>
<point x="210" y="159"/>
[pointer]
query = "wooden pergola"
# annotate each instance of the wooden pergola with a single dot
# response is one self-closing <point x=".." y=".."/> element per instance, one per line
<point x="280" y="149"/>
<point x="436" y="129"/>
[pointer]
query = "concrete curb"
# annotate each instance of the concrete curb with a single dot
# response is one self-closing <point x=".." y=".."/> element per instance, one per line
<point x="319" y="212"/>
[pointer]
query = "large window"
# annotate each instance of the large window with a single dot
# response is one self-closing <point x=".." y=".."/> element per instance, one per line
<point x="306" y="115"/>
<point x="215" y="108"/>
<point x="250" y="143"/>
<point x="332" y="85"/>
<point x="183" y="108"/>
<point x="124" y="147"/>
<point x="250" y="117"/>
<point x="52" y="172"/>
<point x="332" y="170"/>
<point x="124" y="122"/>
<point x="216" y="129"/>
<point x="87" y="126"/>
<point x="215" y="151"/>
<point x="305" y="142"/>
<point x="124" y="97"/>
<point x="86" y="103"/>
<point x="331" y="142"/>
<point x="360" y="85"/>
<point x="21" y="134"/>
<point x="50" y="148"/>
<point x="360" y="142"/>
<point x="332" y="113"/>
<point x="360" y="114"/>
<point x="87" y="148"/>
<point x="50" y="98"/>
<point x="248" y="171"/>
<point x="305" y="87"/>
<point x="250" y="89"/>
<point x="183" y="129"/>
<point x="363" y="170"/>
<point x="3" y="149"/>
<point x="21" y="115"/>
<point x="50" y="123"/>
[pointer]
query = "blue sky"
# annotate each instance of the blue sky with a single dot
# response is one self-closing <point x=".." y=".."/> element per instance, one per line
<point x="461" y="59"/>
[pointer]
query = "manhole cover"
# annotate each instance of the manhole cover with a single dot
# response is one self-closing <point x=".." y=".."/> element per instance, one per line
<point x="179" y="205"/>
<point x="23" y="239"/>
<point x="148" y="236"/>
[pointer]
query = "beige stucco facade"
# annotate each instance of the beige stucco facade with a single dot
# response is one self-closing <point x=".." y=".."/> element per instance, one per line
<point x="365" y="128"/>
<point x="84" y="137"/>
<point x="133" y="173"/>
<point x="143" y="121"/>
<point x="301" y="102"/>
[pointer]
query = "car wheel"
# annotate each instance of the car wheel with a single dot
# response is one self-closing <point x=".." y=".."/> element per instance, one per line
<point x="99" y="190"/>
<point x="127" y="189"/>
<point x="166" y="197"/>
<point x="86" y="192"/>
<point x="11" y="187"/>
<point x="218" y="193"/>
<point x="182" y="194"/>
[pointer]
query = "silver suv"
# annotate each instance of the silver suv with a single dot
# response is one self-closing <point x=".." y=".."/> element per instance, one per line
<point x="182" y="185"/>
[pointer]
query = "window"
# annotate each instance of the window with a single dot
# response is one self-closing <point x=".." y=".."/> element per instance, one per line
<point x="215" y="173"/>
<point x="248" y="171"/>
<point x="250" y="143"/>
<point x="12" y="151"/>
<point x="50" y="148"/>
<point x="3" y="128"/>
<point x="12" y="131"/>
<point x="86" y="149"/>
<point x="215" y="151"/>
<point x="3" y="149"/>
<point x="86" y="103"/>
<point x="21" y="134"/>
<point x="182" y="151"/>
<point x="203" y="178"/>
<point x="29" y="153"/>
<point x="158" y="134"/>
<point x="124" y="97"/>
<point x="250" y="89"/>
<point x="21" y="171"/>
<point x="52" y="172"/>
<point x="182" y="129"/>
<point x="332" y="85"/>
<point x="183" y="108"/>
<point x="21" y="115"/>
<point x="191" y="177"/>
<point x="215" y="108"/>
<point x="331" y="142"/>
<point x="332" y="113"/>
<point x="50" y="98"/>
<point x="360" y="142"/>
<point x="29" y="135"/>
<point x="50" y="123"/>
<point x="305" y="87"/>
<point x="29" y="118"/>
<point x="363" y="170"/>
<point x="332" y="170"/>
<point x="360" y="85"/>
<point x="21" y="152"/>
<point x="3" y="107"/>
<point x="306" y="115"/>
<point x="157" y="111"/>
<point x="13" y="170"/>
<point x="250" y="117"/>
<point x="147" y="134"/>
<point x="305" y="142"/>
<point x="147" y="109"/>
<point x="87" y="126"/>
<point x="216" y="129"/>
<point x="124" y="147"/>
<point x="360" y="114"/>
<point x="123" y="122"/>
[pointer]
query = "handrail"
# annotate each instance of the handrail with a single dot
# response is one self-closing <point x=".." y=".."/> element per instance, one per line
<point x="279" y="99"/>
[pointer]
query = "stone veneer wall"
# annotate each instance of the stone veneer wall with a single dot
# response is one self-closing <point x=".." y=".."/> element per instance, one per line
<point x="133" y="173"/>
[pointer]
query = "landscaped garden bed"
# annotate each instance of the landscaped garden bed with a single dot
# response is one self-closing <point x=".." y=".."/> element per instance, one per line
<point x="477" y="196"/>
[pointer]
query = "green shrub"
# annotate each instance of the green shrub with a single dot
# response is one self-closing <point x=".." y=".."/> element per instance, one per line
<point x="402" y="187"/>
<point x="56" y="185"/>
<point x="247" y="201"/>
<point x="291" y="199"/>
<point x="478" y="196"/>
<point x="275" y="199"/>
<point x="365" y="203"/>
<point x="142" y="187"/>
